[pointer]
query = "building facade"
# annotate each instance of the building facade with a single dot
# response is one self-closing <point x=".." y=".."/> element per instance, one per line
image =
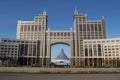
<point x="83" y="29"/>
<point x="102" y="52"/>
<point x="24" y="52"/>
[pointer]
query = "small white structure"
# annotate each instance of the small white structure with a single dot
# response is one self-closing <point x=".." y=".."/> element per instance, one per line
<point x="61" y="59"/>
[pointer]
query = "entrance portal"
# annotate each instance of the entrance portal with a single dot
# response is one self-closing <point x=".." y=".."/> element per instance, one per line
<point x="56" y="48"/>
<point x="60" y="55"/>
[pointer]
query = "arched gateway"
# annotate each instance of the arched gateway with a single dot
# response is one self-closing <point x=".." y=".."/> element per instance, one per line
<point x="55" y="37"/>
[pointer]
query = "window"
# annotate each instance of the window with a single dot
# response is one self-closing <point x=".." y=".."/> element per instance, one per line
<point x="90" y="51"/>
<point x="61" y="34"/>
<point x="80" y="27"/>
<point x="99" y="27"/>
<point x="64" y="34"/>
<point x="84" y="27"/>
<point x="96" y="27"/>
<point x="32" y="28"/>
<point x="92" y="27"/>
<point x="54" y="34"/>
<point x="57" y="34"/>
<point x="25" y="28"/>
<point x="68" y="34"/>
<point x="39" y="28"/>
<point x="35" y="27"/>
<point x="88" y="27"/>
<point x="28" y="27"/>
<point x="50" y="34"/>
<point x="21" y="28"/>
<point x="86" y="52"/>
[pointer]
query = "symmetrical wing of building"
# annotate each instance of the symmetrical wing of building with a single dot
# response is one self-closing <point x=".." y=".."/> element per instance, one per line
<point x="87" y="41"/>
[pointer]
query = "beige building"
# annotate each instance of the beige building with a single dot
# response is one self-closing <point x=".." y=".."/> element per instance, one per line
<point x="24" y="52"/>
<point x="102" y="52"/>
<point x="83" y="29"/>
<point x="87" y="41"/>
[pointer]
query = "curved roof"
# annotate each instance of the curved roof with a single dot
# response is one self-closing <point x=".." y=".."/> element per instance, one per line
<point x="61" y="56"/>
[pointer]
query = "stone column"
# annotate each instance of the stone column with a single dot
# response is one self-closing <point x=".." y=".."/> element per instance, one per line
<point x="71" y="47"/>
<point x="48" y="56"/>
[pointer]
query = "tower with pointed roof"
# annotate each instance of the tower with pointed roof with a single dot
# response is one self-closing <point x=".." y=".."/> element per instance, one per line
<point x="85" y="29"/>
<point x="44" y="12"/>
<point x="76" y="12"/>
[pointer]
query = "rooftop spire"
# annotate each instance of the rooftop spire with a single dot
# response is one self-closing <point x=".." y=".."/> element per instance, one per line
<point x="44" y="12"/>
<point x="76" y="11"/>
<point x="102" y="17"/>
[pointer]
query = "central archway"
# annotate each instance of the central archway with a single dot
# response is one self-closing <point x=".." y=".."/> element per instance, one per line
<point x="69" y="51"/>
<point x="56" y="48"/>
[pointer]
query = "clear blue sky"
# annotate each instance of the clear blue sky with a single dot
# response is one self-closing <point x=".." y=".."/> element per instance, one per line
<point x="60" y="14"/>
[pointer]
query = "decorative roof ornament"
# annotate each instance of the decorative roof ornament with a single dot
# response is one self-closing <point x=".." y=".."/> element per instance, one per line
<point x="76" y="12"/>
<point x="44" y="12"/>
<point x="102" y="17"/>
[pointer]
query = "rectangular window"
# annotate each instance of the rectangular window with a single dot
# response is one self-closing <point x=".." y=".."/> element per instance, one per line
<point x="96" y="27"/>
<point x="35" y="27"/>
<point x="64" y="34"/>
<point x="84" y="18"/>
<point x="39" y="28"/>
<point x="54" y="34"/>
<point x="88" y="27"/>
<point x="25" y="28"/>
<point x="76" y="19"/>
<point x="34" y="50"/>
<point x="92" y="27"/>
<point x="28" y="27"/>
<point x="90" y="52"/>
<point x="57" y="34"/>
<point x="50" y="34"/>
<point x="21" y="28"/>
<point x="86" y="52"/>
<point x="84" y="27"/>
<point x="32" y="28"/>
<point x="61" y="34"/>
<point x="80" y="27"/>
<point x="68" y="34"/>
<point x="99" y="27"/>
<point x="80" y="18"/>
